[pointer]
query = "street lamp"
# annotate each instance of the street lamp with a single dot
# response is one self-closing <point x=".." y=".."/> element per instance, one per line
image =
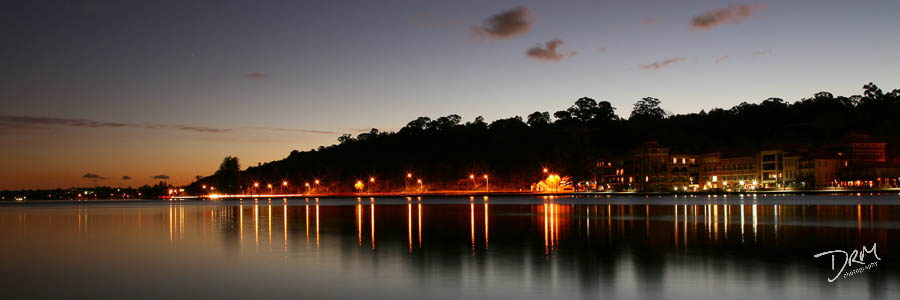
<point x="372" y="183"/>
<point x="487" y="183"/>
<point x="406" y="182"/>
<point x="270" y="188"/>
<point x="255" y="186"/>
<point x="359" y="186"/>
<point x="283" y="185"/>
<point x="307" y="187"/>
<point x="419" y="181"/>
<point x="472" y="176"/>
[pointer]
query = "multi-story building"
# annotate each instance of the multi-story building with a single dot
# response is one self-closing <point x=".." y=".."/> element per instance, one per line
<point x="826" y="171"/>
<point x="792" y="170"/>
<point x="683" y="171"/>
<point x="859" y="161"/>
<point x="771" y="168"/>
<point x="718" y="171"/>
<point x="862" y="148"/>
<point x="650" y="165"/>
<point x="615" y="173"/>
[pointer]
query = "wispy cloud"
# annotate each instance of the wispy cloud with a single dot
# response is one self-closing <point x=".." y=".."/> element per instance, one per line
<point x="93" y="176"/>
<point x="254" y="75"/>
<point x="296" y="130"/>
<point x="721" y="58"/>
<point x="735" y="14"/>
<point x="548" y="51"/>
<point x="161" y="177"/>
<point x="762" y="52"/>
<point x="506" y="24"/>
<point x="660" y="64"/>
<point x="25" y="122"/>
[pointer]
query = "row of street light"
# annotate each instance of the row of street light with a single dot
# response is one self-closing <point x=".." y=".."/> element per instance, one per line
<point x="360" y="185"/>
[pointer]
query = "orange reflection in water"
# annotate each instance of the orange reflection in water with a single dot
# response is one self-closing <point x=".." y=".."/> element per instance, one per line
<point x="359" y="223"/>
<point x="372" y="219"/>
<point x="285" y="217"/>
<point x="420" y="224"/>
<point x="486" y="225"/>
<point x="409" y="225"/>
<point x="307" y="224"/>
<point x="472" y="225"/>
<point x="317" y="223"/>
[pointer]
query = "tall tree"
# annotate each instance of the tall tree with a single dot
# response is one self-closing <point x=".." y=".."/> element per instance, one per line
<point x="229" y="175"/>
<point x="537" y="119"/>
<point x="648" y="107"/>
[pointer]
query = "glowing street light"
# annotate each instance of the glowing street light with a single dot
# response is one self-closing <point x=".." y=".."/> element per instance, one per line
<point x="419" y="181"/>
<point x="545" y="170"/>
<point x="472" y="176"/>
<point x="487" y="183"/>
<point x="359" y="186"/>
<point x="307" y="187"/>
<point x="406" y="182"/>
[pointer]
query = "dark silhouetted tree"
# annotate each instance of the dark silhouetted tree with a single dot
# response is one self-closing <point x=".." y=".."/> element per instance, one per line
<point x="229" y="175"/>
<point x="537" y="119"/>
<point x="648" y="108"/>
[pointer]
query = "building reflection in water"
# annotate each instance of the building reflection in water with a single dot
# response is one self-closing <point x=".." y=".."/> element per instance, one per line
<point x="420" y="222"/>
<point x="372" y="220"/>
<point x="635" y="243"/>
<point x="359" y="223"/>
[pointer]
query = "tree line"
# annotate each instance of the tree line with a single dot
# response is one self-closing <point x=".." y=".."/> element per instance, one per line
<point x="444" y="152"/>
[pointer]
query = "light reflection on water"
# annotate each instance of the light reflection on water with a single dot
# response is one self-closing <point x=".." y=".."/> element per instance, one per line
<point x="446" y="248"/>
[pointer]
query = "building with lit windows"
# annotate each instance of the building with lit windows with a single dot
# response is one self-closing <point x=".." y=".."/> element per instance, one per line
<point x="650" y="163"/>
<point x="718" y="171"/>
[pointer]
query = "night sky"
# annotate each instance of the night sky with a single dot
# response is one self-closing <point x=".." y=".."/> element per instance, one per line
<point x="119" y="92"/>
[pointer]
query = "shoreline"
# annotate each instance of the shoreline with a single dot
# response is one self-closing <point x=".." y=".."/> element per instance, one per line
<point x="481" y="194"/>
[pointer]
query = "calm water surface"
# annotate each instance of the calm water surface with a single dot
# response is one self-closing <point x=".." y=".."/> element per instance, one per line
<point x="504" y="247"/>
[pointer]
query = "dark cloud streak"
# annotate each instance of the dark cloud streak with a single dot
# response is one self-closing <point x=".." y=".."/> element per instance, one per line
<point x="295" y="130"/>
<point x="548" y="51"/>
<point x="26" y="122"/>
<point x="735" y="14"/>
<point x="660" y="64"/>
<point x="507" y="24"/>
<point x="93" y="176"/>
